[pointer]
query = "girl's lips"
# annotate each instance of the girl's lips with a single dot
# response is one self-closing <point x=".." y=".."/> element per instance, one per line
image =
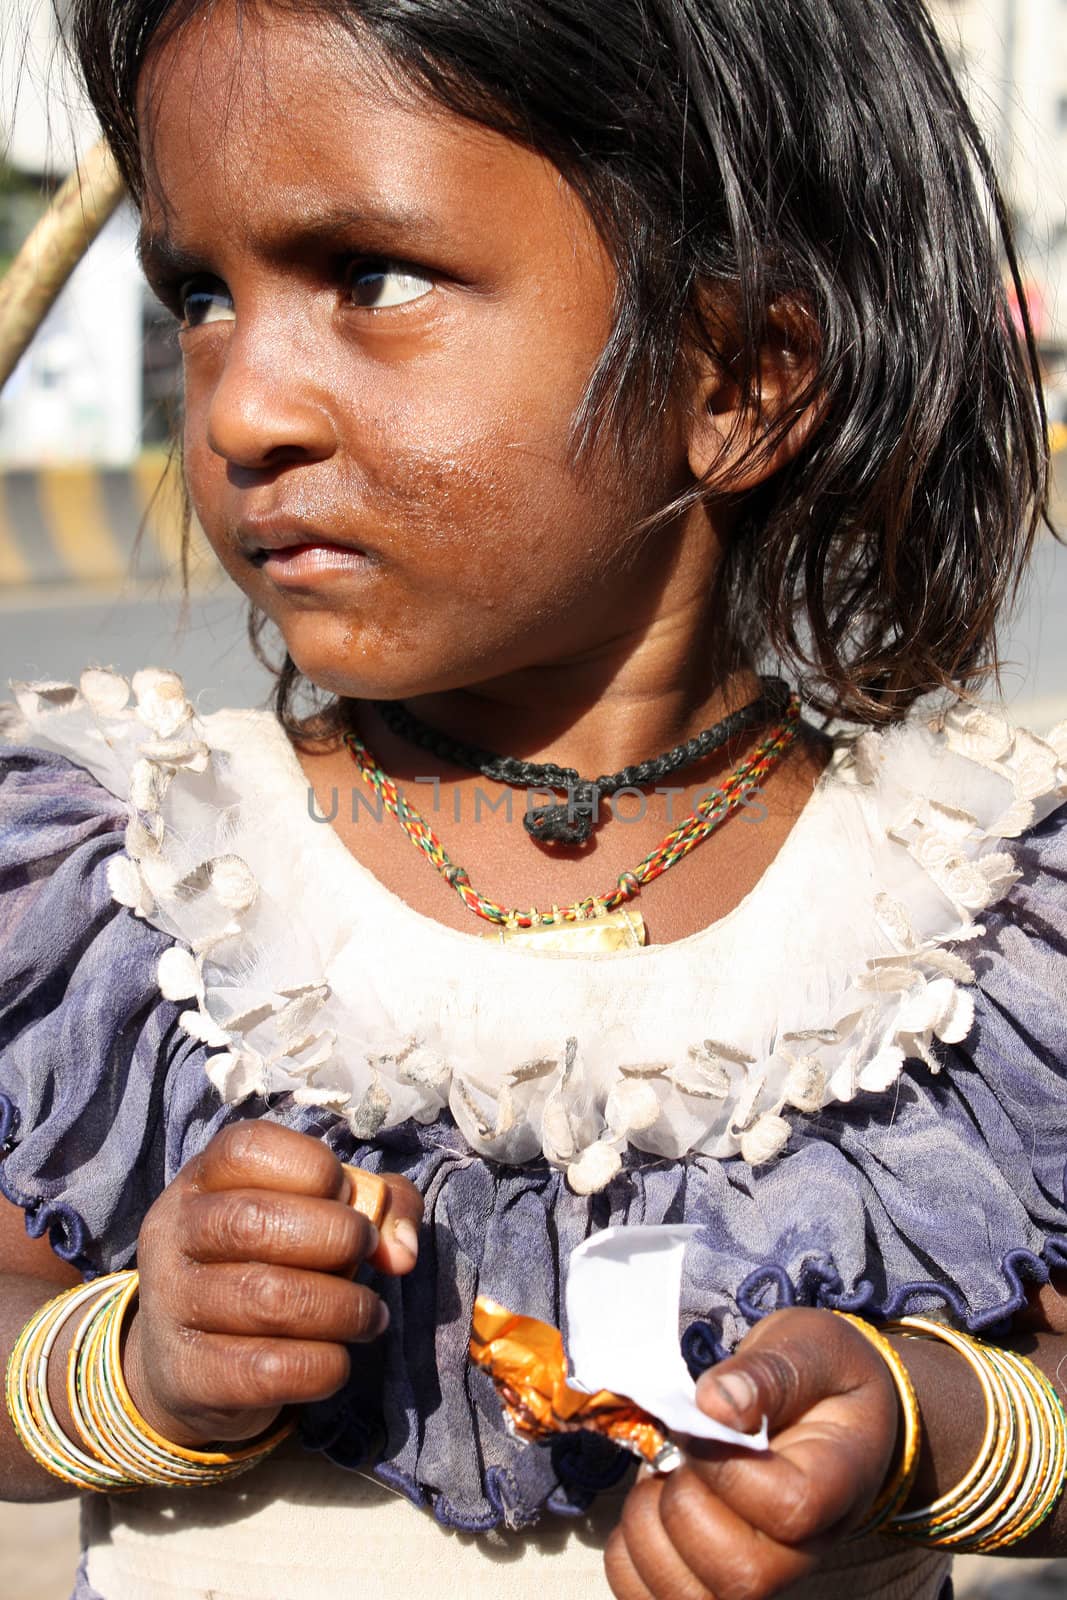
<point x="300" y="563"/>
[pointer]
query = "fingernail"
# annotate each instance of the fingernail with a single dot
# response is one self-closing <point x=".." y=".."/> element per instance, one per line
<point x="407" y="1236"/>
<point x="383" y="1320"/>
<point x="738" y="1390"/>
<point x="374" y="1238"/>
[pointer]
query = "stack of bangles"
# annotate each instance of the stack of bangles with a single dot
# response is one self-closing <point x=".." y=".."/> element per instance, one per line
<point x="117" y="1449"/>
<point x="1017" y="1476"/>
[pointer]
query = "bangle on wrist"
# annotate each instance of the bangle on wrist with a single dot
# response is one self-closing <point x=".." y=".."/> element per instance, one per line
<point x="1017" y="1476"/>
<point x="901" y="1479"/>
<point x="29" y="1406"/>
<point x="117" y="1449"/>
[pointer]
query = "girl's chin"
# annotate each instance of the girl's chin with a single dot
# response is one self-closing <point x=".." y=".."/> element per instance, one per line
<point x="365" y="678"/>
<point x="356" y="672"/>
<point x="359" y="655"/>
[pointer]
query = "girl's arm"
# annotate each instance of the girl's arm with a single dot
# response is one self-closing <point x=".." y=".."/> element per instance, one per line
<point x="30" y="1274"/>
<point x="746" y="1527"/>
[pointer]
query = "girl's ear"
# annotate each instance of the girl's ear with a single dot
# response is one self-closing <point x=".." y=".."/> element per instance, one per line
<point x="746" y="425"/>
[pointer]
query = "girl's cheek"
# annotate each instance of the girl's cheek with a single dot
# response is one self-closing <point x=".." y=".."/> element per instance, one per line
<point x="205" y="476"/>
<point x="203" y="364"/>
<point x="199" y="377"/>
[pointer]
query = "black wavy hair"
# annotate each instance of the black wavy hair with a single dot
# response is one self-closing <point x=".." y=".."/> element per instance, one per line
<point x="816" y="154"/>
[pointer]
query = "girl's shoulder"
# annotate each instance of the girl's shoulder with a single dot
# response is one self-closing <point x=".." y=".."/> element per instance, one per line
<point x="131" y="752"/>
<point x="971" y="812"/>
<point x="104" y="1092"/>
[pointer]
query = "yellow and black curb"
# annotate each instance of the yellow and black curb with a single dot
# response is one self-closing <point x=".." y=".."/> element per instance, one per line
<point x="63" y="525"/>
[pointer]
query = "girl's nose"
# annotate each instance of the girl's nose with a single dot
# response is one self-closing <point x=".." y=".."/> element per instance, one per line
<point x="265" y="411"/>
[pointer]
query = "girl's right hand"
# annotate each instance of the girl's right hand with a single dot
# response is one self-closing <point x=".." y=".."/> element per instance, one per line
<point x="246" y="1299"/>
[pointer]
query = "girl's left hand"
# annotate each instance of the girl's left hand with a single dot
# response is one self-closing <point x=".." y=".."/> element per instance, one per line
<point x="733" y="1525"/>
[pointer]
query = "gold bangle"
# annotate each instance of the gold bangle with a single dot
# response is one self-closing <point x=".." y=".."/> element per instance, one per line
<point x="1052" y="1489"/>
<point x="901" y="1480"/>
<point x="100" y="1429"/>
<point x="199" y="1458"/>
<point x="1023" y="1437"/>
<point x="111" y="1424"/>
<point x="78" y="1401"/>
<point x="116" y="1449"/>
<point x="29" y="1405"/>
<point x="1044" y="1481"/>
<point x="108" y="1428"/>
<point x="1018" y="1474"/>
<point x="1035" y="1450"/>
<point x="989" y="1465"/>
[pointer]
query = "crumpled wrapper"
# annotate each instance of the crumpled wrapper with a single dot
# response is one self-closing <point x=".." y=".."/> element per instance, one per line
<point x="526" y="1361"/>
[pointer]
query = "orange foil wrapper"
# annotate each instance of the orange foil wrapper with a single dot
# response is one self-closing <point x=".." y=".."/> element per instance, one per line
<point x="526" y="1362"/>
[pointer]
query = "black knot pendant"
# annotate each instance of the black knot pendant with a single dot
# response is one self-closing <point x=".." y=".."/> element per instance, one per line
<point x="571" y="821"/>
<point x="568" y="822"/>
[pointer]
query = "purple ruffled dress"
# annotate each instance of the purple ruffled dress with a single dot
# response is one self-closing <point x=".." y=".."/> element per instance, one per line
<point x="940" y="1185"/>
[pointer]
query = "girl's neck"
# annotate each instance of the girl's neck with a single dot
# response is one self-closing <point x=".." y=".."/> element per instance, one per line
<point x="600" y="713"/>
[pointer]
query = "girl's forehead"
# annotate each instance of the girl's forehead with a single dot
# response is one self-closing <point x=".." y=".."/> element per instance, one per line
<point x="277" y="131"/>
<point x="287" y="102"/>
<point x="238" y="76"/>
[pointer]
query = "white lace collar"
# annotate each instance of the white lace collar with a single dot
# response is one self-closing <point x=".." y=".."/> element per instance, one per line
<point x="304" y="974"/>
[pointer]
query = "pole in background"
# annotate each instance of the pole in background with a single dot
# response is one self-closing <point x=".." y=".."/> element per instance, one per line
<point x="79" y="210"/>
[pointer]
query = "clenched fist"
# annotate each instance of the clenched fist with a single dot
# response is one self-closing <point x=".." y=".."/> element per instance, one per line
<point x="246" y="1298"/>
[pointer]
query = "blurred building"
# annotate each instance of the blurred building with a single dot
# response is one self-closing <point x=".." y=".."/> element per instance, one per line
<point x="1012" y="58"/>
<point x="94" y="385"/>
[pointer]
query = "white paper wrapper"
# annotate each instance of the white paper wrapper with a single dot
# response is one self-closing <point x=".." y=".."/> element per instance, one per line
<point x="623" y="1289"/>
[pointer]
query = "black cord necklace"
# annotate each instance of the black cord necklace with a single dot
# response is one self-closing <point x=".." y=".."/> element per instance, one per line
<point x="572" y="821"/>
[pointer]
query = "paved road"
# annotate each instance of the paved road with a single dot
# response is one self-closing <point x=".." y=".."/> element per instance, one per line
<point x="40" y="638"/>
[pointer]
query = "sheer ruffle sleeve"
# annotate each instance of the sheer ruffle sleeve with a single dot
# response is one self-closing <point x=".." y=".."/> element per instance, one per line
<point x="101" y="1095"/>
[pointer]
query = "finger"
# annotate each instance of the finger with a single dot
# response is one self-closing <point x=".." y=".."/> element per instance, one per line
<point x="286" y="1229"/>
<point x="654" y="1558"/>
<point x="784" y="1366"/>
<point x="223" y="1373"/>
<point x="622" y="1575"/>
<point x="258" y="1298"/>
<point x="398" y="1246"/>
<point x="832" y="1409"/>
<point x="804" y="1487"/>
<point x="262" y="1155"/>
<point x="724" y="1552"/>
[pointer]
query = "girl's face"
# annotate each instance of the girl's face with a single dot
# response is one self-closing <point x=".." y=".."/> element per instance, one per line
<point x="389" y="318"/>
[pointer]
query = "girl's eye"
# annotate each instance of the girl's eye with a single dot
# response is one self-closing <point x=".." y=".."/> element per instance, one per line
<point x="203" y="303"/>
<point x="378" y="284"/>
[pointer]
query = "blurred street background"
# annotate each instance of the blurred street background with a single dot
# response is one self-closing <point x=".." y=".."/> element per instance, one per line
<point x="90" y="525"/>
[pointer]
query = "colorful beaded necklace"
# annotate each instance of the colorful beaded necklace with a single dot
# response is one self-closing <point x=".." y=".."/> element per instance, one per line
<point x="709" y="813"/>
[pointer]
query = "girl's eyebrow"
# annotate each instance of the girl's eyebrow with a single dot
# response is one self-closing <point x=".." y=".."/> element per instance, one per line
<point x="378" y="225"/>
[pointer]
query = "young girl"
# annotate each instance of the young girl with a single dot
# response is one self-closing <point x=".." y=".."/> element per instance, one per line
<point x="548" y="369"/>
